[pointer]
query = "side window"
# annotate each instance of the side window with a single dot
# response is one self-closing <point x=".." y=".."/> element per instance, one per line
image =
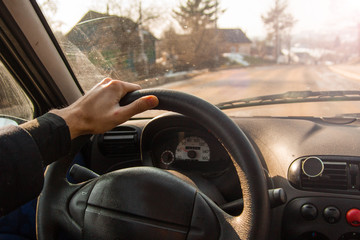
<point x="13" y="101"/>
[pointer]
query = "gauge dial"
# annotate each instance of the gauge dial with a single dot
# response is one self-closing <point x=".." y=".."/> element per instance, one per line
<point x="167" y="157"/>
<point x="193" y="148"/>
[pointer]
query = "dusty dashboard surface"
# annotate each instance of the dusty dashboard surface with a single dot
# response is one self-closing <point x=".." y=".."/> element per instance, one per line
<point x="316" y="161"/>
<point x="313" y="210"/>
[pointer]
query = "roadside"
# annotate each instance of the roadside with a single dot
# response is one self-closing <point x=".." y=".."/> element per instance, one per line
<point x="169" y="78"/>
<point x="234" y="61"/>
<point x="351" y="71"/>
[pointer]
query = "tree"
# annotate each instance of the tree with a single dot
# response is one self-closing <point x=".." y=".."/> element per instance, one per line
<point x="144" y="17"/>
<point x="50" y="9"/>
<point x="198" y="20"/>
<point x="196" y="15"/>
<point x="279" y="24"/>
<point x="147" y="16"/>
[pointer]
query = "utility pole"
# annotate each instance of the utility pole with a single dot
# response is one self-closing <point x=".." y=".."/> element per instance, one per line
<point x="359" y="39"/>
<point x="277" y="34"/>
<point x="289" y="48"/>
<point x="216" y="35"/>
<point x="142" y="47"/>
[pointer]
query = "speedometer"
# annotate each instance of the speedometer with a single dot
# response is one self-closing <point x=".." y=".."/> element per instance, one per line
<point x="193" y="149"/>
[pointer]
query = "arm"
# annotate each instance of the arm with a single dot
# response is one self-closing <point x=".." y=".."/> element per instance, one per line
<point x="21" y="171"/>
<point x="99" y="110"/>
<point x="25" y="150"/>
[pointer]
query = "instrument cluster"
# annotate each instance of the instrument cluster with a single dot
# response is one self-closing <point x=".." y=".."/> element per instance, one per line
<point x="188" y="149"/>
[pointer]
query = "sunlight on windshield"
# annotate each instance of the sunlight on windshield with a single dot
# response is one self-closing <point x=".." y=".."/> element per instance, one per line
<point x="13" y="101"/>
<point x="219" y="50"/>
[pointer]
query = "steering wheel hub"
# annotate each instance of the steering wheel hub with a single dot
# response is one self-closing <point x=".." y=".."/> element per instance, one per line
<point x="142" y="203"/>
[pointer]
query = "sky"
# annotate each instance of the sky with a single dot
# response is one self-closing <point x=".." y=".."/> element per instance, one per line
<point x="311" y="15"/>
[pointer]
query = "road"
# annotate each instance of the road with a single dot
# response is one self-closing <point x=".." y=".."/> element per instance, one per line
<point x="234" y="84"/>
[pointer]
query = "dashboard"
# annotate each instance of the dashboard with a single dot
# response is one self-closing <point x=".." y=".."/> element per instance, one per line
<point x="314" y="161"/>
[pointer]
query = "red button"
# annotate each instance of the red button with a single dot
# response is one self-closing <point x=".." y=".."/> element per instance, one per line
<point x="353" y="217"/>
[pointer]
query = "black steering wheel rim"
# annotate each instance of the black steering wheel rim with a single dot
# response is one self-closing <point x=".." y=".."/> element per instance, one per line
<point x="253" y="223"/>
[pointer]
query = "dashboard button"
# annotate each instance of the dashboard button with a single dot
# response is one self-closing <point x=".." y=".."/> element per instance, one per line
<point x="309" y="211"/>
<point x="312" y="236"/>
<point x="331" y="214"/>
<point x="350" y="236"/>
<point x="353" y="217"/>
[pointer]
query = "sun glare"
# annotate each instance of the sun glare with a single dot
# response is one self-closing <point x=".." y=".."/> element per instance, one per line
<point x="319" y="15"/>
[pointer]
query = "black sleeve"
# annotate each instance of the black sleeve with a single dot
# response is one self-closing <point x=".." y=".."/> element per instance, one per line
<point x="51" y="135"/>
<point x="24" y="151"/>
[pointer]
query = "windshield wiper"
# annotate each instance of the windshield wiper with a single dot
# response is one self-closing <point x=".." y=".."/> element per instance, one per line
<point x="292" y="97"/>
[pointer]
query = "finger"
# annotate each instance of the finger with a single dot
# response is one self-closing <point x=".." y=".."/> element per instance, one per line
<point x="120" y="88"/>
<point x="138" y="106"/>
<point x="105" y="80"/>
<point x="123" y="86"/>
<point x="101" y="83"/>
<point x="130" y="87"/>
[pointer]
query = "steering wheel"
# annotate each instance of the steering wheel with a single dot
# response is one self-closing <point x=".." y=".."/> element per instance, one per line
<point x="149" y="203"/>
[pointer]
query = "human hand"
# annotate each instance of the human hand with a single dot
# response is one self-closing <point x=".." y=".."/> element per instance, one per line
<point x="99" y="111"/>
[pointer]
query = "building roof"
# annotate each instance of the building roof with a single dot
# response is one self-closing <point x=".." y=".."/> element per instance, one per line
<point x="90" y="15"/>
<point x="234" y="35"/>
<point x="94" y="18"/>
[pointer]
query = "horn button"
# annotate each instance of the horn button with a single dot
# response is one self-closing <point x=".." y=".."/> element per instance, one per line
<point x="144" y="203"/>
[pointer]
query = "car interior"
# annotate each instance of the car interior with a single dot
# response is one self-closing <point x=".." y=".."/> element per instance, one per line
<point x="190" y="170"/>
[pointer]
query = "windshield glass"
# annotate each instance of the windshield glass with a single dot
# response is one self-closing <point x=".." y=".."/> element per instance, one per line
<point x="219" y="50"/>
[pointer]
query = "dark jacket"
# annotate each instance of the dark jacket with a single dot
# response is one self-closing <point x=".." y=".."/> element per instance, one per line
<point x="24" y="152"/>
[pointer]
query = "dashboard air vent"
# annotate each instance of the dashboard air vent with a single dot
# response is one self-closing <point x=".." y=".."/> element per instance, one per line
<point x="326" y="173"/>
<point x="334" y="176"/>
<point x="120" y="141"/>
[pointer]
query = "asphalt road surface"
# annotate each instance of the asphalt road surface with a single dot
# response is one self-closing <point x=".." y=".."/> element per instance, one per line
<point x="235" y="84"/>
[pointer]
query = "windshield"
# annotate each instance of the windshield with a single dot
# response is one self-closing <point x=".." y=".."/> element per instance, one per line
<point x="219" y="50"/>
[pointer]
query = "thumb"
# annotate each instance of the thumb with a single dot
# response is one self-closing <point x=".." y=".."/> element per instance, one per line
<point x="140" y="105"/>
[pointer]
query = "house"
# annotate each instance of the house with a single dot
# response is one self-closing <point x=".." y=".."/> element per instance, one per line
<point x="234" y="41"/>
<point x="114" y="43"/>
